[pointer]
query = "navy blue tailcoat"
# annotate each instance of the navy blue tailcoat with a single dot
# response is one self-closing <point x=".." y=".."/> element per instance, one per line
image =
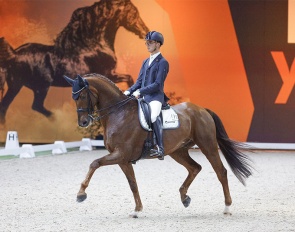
<point x="150" y="81"/>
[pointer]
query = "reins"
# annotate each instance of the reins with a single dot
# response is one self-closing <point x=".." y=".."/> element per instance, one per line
<point x="91" y="111"/>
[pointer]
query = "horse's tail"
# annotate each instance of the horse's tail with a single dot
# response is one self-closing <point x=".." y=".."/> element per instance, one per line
<point x="238" y="161"/>
<point x="6" y="52"/>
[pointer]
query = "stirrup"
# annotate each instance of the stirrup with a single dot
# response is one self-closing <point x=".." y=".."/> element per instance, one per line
<point x="157" y="153"/>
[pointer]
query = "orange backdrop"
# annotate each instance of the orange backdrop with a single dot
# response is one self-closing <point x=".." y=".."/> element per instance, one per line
<point x="200" y="45"/>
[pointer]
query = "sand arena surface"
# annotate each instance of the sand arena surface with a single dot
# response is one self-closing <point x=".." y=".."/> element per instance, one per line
<point x="39" y="194"/>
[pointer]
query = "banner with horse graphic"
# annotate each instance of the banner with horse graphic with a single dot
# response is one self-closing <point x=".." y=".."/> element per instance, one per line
<point x="234" y="57"/>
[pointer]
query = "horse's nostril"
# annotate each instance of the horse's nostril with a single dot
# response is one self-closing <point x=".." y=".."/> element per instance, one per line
<point x="83" y="123"/>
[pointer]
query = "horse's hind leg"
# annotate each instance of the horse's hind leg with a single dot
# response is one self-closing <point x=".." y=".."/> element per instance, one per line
<point x="182" y="157"/>
<point x="129" y="172"/>
<point x="211" y="153"/>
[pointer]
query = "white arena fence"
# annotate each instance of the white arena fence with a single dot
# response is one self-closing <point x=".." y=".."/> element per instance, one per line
<point x="86" y="144"/>
<point x="58" y="147"/>
<point x="61" y="147"/>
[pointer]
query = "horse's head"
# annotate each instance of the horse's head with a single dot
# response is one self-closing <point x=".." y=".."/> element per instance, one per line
<point x="85" y="99"/>
<point x="117" y="13"/>
<point x="98" y="24"/>
<point x="131" y="20"/>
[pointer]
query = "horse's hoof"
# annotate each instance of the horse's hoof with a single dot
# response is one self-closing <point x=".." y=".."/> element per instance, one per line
<point x="226" y="211"/>
<point x="134" y="214"/>
<point x="81" y="198"/>
<point x="186" y="201"/>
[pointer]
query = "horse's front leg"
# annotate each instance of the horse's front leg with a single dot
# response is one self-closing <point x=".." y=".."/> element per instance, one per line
<point x="113" y="158"/>
<point x="129" y="172"/>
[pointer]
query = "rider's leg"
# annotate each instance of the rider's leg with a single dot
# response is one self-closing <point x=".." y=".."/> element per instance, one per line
<point x="156" y="107"/>
<point x="157" y="127"/>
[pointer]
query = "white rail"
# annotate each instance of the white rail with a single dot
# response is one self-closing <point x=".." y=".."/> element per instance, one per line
<point x="58" y="147"/>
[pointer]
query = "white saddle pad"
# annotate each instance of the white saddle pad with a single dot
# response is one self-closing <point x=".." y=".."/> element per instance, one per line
<point x="170" y="119"/>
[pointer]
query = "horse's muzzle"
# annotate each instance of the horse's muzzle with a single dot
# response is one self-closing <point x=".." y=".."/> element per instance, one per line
<point x="84" y="121"/>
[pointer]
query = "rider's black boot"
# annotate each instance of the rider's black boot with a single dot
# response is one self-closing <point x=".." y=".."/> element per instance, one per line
<point x="158" y="130"/>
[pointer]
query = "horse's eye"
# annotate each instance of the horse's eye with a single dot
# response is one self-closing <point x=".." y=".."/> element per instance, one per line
<point x="82" y="96"/>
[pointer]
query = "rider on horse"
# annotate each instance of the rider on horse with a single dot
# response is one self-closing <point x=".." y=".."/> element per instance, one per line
<point x="150" y="85"/>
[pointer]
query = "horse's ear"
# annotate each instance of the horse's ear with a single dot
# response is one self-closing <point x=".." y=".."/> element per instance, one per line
<point x="69" y="80"/>
<point x="81" y="81"/>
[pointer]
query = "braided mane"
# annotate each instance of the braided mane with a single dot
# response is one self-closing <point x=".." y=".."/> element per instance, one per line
<point x="105" y="79"/>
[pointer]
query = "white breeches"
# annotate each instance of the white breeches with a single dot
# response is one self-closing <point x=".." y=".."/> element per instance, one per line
<point x="156" y="107"/>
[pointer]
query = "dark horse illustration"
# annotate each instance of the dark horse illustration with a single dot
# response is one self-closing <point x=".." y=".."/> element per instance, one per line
<point x="2" y="82"/>
<point x="118" y="113"/>
<point x="86" y="45"/>
<point x="7" y="54"/>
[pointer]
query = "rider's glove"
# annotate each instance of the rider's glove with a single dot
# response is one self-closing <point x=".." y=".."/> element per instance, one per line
<point x="136" y="93"/>
<point x="127" y="93"/>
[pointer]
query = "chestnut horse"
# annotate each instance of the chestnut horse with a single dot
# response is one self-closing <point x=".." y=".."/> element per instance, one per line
<point x="118" y="113"/>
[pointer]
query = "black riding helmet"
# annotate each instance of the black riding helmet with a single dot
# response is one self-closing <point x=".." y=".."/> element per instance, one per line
<point x="156" y="36"/>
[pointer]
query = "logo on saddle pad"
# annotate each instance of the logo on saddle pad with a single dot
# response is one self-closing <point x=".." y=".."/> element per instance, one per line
<point x="169" y="117"/>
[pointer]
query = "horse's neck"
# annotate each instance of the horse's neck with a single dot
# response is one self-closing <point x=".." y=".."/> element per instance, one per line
<point x="109" y="93"/>
<point x="101" y="38"/>
<point x="109" y="37"/>
<point x="118" y="115"/>
<point x="108" y="100"/>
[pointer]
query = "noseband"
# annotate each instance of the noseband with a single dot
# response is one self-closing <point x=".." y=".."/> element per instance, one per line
<point x="90" y="108"/>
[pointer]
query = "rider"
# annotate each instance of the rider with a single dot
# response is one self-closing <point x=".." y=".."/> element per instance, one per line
<point x="150" y="85"/>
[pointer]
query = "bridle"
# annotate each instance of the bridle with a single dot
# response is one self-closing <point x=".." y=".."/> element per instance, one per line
<point x="90" y="108"/>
